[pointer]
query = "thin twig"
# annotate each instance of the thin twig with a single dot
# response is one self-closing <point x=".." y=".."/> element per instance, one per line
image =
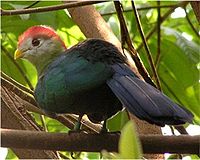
<point x="95" y="142"/>
<point x="190" y="23"/>
<point x="42" y="119"/>
<point x="163" y="18"/>
<point x="16" y="83"/>
<point x="158" y="35"/>
<point x="47" y="9"/>
<point x="17" y="66"/>
<point x="31" y="5"/>
<point x="181" y="130"/>
<point x="139" y="9"/>
<point x="172" y="130"/>
<point x="146" y="46"/>
<point x="18" y="91"/>
<point x="131" y="49"/>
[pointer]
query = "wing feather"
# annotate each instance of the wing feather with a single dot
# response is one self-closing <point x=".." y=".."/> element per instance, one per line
<point x="145" y="101"/>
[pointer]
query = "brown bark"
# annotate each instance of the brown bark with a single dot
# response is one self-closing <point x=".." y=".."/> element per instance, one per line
<point x="93" y="26"/>
<point x="93" y="142"/>
<point x="45" y="9"/>
<point x="196" y="8"/>
<point x="14" y="116"/>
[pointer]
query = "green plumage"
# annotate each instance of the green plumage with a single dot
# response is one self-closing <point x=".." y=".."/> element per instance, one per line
<point x="72" y="84"/>
<point x="93" y="78"/>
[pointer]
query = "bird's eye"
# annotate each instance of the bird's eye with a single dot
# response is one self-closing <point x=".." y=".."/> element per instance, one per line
<point x="35" y="42"/>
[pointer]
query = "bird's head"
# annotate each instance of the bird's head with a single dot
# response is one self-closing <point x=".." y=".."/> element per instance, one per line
<point x="39" y="44"/>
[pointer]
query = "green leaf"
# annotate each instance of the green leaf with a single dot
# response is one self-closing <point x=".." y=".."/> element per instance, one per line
<point x="173" y="156"/>
<point x="11" y="155"/>
<point x="179" y="73"/>
<point x="194" y="156"/>
<point x="117" y="122"/>
<point x="129" y="143"/>
<point x="90" y="155"/>
<point x="12" y="70"/>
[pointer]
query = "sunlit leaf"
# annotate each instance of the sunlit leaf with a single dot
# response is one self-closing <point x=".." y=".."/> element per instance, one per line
<point x="117" y="122"/>
<point x="129" y="143"/>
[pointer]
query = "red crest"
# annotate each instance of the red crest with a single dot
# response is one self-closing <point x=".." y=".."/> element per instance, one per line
<point x="37" y="31"/>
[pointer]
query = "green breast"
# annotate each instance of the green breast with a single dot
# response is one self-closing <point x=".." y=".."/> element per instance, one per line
<point x="67" y="81"/>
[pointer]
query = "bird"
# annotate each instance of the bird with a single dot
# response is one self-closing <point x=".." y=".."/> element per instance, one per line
<point x="92" y="78"/>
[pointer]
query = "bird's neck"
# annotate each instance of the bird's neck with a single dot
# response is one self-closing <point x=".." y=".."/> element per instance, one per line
<point x="41" y="65"/>
<point x="42" y="62"/>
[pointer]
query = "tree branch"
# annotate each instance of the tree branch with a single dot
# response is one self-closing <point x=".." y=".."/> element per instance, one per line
<point x="140" y="9"/>
<point x="96" y="142"/>
<point x="3" y="75"/>
<point x="92" y="24"/>
<point x="47" y="9"/>
<point x="150" y="59"/>
<point x="126" y="39"/>
<point x="163" y="18"/>
<point x="17" y="91"/>
<point x="32" y="4"/>
<point x="158" y="35"/>
<point x="196" y="8"/>
<point x="190" y="23"/>
<point x="14" y="115"/>
<point x="18" y="67"/>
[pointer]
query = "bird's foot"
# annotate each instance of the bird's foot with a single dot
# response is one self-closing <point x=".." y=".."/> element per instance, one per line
<point x="77" y="126"/>
<point x="75" y="155"/>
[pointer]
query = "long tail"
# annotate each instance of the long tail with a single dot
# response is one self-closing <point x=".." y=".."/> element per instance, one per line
<point x="145" y="101"/>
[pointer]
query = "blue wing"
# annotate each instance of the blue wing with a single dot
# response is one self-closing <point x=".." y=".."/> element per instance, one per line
<point x="145" y="101"/>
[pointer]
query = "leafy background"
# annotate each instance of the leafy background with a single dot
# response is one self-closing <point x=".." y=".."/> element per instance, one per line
<point x="178" y="68"/>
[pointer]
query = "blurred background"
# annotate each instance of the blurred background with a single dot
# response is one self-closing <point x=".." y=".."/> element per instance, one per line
<point x="177" y="65"/>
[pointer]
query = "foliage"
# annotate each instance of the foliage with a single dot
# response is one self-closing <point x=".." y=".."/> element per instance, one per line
<point x="178" y="67"/>
<point x="129" y="144"/>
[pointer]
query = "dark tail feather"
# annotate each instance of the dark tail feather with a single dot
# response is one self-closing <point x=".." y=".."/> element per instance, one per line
<point x="145" y="101"/>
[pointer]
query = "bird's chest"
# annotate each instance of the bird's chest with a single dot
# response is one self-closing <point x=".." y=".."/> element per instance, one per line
<point x="56" y="95"/>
